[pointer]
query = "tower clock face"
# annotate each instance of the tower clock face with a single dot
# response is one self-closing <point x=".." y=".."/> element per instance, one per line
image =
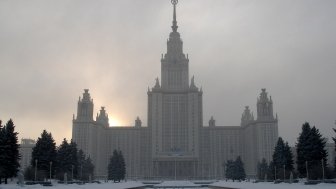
<point x="174" y="2"/>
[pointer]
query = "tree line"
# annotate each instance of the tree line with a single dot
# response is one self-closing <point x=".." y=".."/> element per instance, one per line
<point x="49" y="161"/>
<point x="311" y="158"/>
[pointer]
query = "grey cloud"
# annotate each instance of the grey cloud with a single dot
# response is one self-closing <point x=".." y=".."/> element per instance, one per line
<point x="51" y="50"/>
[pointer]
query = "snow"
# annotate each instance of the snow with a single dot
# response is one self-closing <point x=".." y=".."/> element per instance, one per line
<point x="110" y="185"/>
<point x="268" y="185"/>
<point x="177" y="184"/>
<point x="132" y="184"/>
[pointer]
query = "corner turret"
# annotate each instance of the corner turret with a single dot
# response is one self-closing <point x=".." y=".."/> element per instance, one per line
<point x="102" y="118"/>
<point x="247" y="117"/>
<point x="264" y="107"/>
<point x="85" y="107"/>
<point x="212" y="122"/>
<point x="138" y="122"/>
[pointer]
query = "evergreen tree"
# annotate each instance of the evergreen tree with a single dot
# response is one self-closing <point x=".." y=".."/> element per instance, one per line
<point x="311" y="149"/>
<point x="230" y="168"/>
<point x="289" y="158"/>
<point x="122" y="166"/>
<point x="44" y="152"/>
<point x="283" y="159"/>
<point x="271" y="171"/>
<point x="302" y="149"/>
<point x="235" y="169"/>
<point x="317" y="154"/>
<point x="10" y="151"/>
<point x="67" y="160"/>
<point x="262" y="169"/>
<point x="113" y="167"/>
<point x="12" y="140"/>
<point x="116" y="167"/>
<point x="240" y="171"/>
<point x="73" y="157"/>
<point x="334" y="138"/>
<point x="80" y="163"/>
<point x="85" y="166"/>
<point x="63" y="165"/>
<point x="3" y="154"/>
<point x="89" y="167"/>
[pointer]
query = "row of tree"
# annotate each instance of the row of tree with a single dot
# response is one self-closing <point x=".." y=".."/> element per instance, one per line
<point x="281" y="165"/>
<point x="9" y="151"/>
<point x="51" y="161"/>
<point x="311" y="158"/>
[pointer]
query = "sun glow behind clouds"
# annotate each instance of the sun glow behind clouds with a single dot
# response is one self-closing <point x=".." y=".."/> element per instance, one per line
<point x="114" y="122"/>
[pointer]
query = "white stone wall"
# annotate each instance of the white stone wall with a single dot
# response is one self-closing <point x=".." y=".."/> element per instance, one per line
<point x="25" y="151"/>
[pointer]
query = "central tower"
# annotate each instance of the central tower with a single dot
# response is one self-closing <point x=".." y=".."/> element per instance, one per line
<point x="175" y="112"/>
<point x="174" y="64"/>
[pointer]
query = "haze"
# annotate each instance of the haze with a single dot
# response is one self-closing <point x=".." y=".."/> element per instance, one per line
<point x="51" y="50"/>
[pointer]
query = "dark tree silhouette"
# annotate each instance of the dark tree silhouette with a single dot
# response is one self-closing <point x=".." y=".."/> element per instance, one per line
<point x="262" y="169"/>
<point x="43" y="153"/>
<point x="116" y="167"/>
<point x="9" y="148"/>
<point x="235" y="169"/>
<point x="283" y="159"/>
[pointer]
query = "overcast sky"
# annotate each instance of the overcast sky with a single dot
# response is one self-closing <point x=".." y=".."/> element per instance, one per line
<point x="51" y="50"/>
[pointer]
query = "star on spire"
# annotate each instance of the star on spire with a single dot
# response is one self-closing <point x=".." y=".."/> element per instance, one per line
<point x="174" y="26"/>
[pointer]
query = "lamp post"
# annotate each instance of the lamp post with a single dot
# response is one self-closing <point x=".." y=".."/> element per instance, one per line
<point x="284" y="167"/>
<point x="50" y="163"/>
<point x="274" y="172"/>
<point x="175" y="166"/>
<point x="35" y="168"/>
<point x="307" y="170"/>
<point x="81" y="171"/>
<point x="72" y="167"/>
<point x="322" y="169"/>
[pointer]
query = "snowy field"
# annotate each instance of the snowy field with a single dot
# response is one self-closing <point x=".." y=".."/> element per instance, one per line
<point x="132" y="184"/>
<point x="110" y="185"/>
<point x="260" y="185"/>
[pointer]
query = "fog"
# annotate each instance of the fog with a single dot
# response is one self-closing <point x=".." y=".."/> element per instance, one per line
<point x="51" y="50"/>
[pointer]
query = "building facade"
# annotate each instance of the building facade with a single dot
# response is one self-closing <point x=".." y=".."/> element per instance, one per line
<point x="25" y="151"/>
<point x="176" y="144"/>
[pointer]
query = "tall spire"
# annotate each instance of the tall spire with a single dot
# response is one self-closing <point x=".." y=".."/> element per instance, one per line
<point x="174" y="26"/>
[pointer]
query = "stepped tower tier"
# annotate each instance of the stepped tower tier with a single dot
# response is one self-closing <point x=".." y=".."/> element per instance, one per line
<point x="102" y="117"/>
<point x="174" y="64"/>
<point x="85" y="107"/>
<point x="247" y="117"/>
<point x="264" y="107"/>
<point x="175" y="111"/>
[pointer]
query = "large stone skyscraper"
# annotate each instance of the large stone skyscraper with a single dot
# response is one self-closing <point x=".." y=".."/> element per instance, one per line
<point x="175" y="111"/>
<point x="175" y="144"/>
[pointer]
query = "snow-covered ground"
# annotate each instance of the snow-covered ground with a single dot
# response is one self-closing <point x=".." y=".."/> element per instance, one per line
<point x="131" y="184"/>
<point x="269" y="185"/>
<point x="110" y="185"/>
